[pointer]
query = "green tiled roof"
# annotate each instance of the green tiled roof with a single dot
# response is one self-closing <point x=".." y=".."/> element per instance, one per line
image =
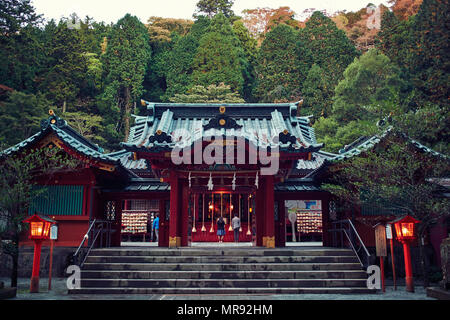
<point x="266" y="125"/>
<point x="69" y="136"/>
<point x="364" y="144"/>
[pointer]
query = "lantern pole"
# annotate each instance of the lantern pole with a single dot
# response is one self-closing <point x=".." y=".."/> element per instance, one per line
<point x="393" y="263"/>
<point x="34" y="285"/>
<point x="408" y="268"/>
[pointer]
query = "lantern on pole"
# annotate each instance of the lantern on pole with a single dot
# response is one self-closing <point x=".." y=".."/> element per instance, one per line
<point x="39" y="231"/>
<point x="405" y="233"/>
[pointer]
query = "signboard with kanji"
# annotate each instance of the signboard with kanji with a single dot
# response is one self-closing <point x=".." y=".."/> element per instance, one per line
<point x="380" y="240"/>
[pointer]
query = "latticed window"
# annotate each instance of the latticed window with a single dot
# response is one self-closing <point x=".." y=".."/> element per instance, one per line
<point x="145" y="205"/>
<point x="110" y="210"/>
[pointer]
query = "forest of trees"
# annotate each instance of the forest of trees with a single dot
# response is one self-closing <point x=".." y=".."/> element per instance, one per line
<point x="349" y="71"/>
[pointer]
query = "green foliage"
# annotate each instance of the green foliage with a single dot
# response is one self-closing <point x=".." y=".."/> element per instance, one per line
<point x="21" y="50"/>
<point x="250" y="47"/>
<point x="429" y="124"/>
<point x="100" y="71"/>
<point x="430" y="62"/>
<point x="219" y="57"/>
<point x="397" y="175"/>
<point x="179" y="61"/>
<point x="279" y="75"/>
<point x="15" y="15"/>
<point x="21" y="116"/>
<point x="370" y="84"/>
<point x="88" y="125"/>
<point x="126" y="62"/>
<point x="17" y="173"/>
<point x="329" y="46"/>
<point x="212" y="94"/>
<point x="336" y="135"/>
<point x="213" y="7"/>
<point x="317" y="93"/>
<point x="61" y="84"/>
<point x="395" y="39"/>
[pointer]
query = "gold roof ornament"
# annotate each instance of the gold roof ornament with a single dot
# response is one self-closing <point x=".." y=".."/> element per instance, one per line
<point x="222" y="109"/>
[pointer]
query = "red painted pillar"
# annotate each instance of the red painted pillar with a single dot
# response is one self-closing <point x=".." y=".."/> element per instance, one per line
<point x="34" y="285"/>
<point x="408" y="268"/>
<point x="174" y="236"/>
<point x="269" y="220"/>
<point x="260" y="214"/>
<point x="184" y="210"/>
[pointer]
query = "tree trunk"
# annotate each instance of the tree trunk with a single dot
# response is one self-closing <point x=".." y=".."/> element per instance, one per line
<point x="126" y="115"/>
<point x="15" y="261"/>
<point x="64" y="106"/>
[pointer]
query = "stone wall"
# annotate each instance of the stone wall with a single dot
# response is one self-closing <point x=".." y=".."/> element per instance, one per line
<point x="61" y="256"/>
<point x="445" y="261"/>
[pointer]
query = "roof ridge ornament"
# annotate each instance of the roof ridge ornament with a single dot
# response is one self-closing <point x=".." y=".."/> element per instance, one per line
<point x="222" y="121"/>
<point x="52" y="120"/>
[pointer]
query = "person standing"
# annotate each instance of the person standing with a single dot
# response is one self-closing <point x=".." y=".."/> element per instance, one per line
<point x="236" y="225"/>
<point x="156" y="227"/>
<point x="220" y="228"/>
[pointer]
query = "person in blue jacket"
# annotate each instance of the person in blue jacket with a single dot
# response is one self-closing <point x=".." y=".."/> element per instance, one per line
<point x="156" y="227"/>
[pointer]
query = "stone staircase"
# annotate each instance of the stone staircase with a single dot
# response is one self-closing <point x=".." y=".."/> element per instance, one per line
<point x="222" y="271"/>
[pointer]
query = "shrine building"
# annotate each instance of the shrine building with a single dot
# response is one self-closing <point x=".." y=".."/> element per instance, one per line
<point x="190" y="164"/>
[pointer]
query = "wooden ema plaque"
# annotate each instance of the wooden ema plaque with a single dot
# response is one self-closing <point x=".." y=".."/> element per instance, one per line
<point x="380" y="240"/>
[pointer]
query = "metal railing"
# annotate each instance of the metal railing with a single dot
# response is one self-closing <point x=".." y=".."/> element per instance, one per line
<point x="344" y="234"/>
<point x="97" y="228"/>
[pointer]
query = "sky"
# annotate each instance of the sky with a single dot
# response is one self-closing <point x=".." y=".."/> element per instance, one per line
<point x="113" y="10"/>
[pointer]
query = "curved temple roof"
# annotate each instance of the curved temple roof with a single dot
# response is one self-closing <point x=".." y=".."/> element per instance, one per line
<point x="169" y="125"/>
<point x="364" y="144"/>
<point x="69" y="137"/>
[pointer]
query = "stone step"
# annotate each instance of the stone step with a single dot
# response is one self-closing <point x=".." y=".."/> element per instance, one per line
<point x="220" y="259"/>
<point x="222" y="283"/>
<point x="220" y="252"/>
<point x="125" y="274"/>
<point x="222" y="271"/>
<point x="222" y="267"/>
<point x="222" y="291"/>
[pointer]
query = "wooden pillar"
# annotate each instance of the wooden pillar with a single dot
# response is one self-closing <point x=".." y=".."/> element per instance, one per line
<point x="326" y="236"/>
<point x="281" y="224"/>
<point x="175" y="203"/>
<point x="260" y="214"/>
<point x="269" y="219"/>
<point x="183" y="222"/>
<point x="163" y="223"/>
